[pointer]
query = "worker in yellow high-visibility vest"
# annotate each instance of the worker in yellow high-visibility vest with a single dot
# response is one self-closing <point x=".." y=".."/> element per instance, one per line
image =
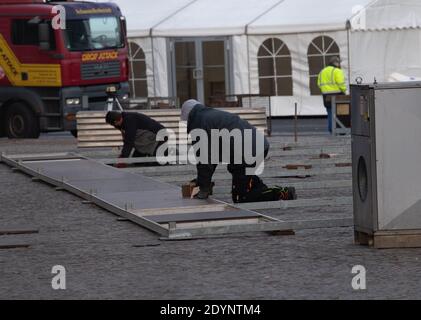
<point x="331" y="82"/>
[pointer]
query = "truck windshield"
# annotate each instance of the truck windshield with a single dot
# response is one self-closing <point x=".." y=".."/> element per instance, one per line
<point x="96" y="33"/>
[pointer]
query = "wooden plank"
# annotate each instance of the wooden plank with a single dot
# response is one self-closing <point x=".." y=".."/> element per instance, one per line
<point x="101" y="114"/>
<point x="104" y="138"/>
<point x="14" y="246"/>
<point x="175" y="118"/>
<point x="98" y="114"/>
<point x="99" y="133"/>
<point x="297" y="167"/>
<point x="395" y="239"/>
<point x="17" y="232"/>
<point x="259" y="126"/>
<point x="99" y="144"/>
<point x="110" y="144"/>
<point x="389" y="239"/>
<point x="169" y="124"/>
<point x="91" y="125"/>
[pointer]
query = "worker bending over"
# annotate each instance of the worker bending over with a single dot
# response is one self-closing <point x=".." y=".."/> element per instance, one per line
<point x="245" y="188"/>
<point x="139" y="132"/>
<point x="331" y="82"/>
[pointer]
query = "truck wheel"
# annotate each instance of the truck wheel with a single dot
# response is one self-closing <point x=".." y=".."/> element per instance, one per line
<point x="74" y="133"/>
<point x="21" y="122"/>
<point x="2" y="124"/>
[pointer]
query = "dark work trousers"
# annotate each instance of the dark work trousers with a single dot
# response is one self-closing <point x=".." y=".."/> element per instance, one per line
<point x="240" y="180"/>
<point x="327" y="101"/>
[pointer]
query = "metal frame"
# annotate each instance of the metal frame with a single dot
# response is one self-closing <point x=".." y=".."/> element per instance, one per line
<point x="18" y="163"/>
<point x="335" y="121"/>
<point x="112" y="101"/>
<point x="265" y="224"/>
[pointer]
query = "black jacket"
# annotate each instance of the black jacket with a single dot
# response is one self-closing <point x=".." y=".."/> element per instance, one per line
<point x="205" y="118"/>
<point x="133" y="121"/>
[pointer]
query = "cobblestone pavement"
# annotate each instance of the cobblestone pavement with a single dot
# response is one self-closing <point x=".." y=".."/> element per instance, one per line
<point x="110" y="259"/>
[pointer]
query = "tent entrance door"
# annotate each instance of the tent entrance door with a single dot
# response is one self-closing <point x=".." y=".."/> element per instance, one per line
<point x="200" y="69"/>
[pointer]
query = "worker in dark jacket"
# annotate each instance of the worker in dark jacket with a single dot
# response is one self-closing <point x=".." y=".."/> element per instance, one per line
<point x="139" y="132"/>
<point x="244" y="188"/>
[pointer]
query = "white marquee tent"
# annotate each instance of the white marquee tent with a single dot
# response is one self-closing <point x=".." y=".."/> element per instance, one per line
<point x="297" y="23"/>
<point x="245" y="25"/>
<point x="386" y="40"/>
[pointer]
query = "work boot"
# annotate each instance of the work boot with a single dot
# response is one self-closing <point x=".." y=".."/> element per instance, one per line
<point x="194" y="183"/>
<point x="287" y="193"/>
<point x="202" y="195"/>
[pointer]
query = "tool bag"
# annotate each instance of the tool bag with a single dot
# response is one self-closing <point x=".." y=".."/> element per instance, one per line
<point x="257" y="191"/>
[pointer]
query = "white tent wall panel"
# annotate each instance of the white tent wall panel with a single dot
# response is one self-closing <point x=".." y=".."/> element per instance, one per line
<point x="378" y="54"/>
<point x="156" y="64"/>
<point x="161" y="71"/>
<point x="146" y="45"/>
<point x="245" y="82"/>
<point x="298" y="45"/>
<point x="240" y="65"/>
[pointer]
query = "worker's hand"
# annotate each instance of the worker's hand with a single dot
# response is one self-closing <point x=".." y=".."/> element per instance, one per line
<point x="195" y="192"/>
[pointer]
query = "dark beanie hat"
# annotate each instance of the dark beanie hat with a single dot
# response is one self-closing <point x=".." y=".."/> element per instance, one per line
<point x="112" y="117"/>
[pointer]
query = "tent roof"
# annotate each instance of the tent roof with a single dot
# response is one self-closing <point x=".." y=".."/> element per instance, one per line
<point x="389" y="14"/>
<point x="142" y="15"/>
<point x="214" y="17"/>
<point x="295" y="16"/>
<point x="178" y="18"/>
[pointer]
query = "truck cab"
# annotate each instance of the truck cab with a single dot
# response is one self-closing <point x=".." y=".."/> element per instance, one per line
<point x="49" y="73"/>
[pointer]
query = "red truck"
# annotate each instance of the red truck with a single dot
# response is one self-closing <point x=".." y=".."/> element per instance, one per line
<point x="48" y="74"/>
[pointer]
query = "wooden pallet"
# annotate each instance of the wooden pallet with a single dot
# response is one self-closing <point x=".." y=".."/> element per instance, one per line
<point x="94" y="132"/>
<point x="389" y="239"/>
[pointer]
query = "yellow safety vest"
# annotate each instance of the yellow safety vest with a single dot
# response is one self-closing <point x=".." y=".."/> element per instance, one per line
<point x="331" y="80"/>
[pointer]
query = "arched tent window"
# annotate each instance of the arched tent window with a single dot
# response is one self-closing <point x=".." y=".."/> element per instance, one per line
<point x="275" y="68"/>
<point x="320" y="51"/>
<point x="137" y="75"/>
